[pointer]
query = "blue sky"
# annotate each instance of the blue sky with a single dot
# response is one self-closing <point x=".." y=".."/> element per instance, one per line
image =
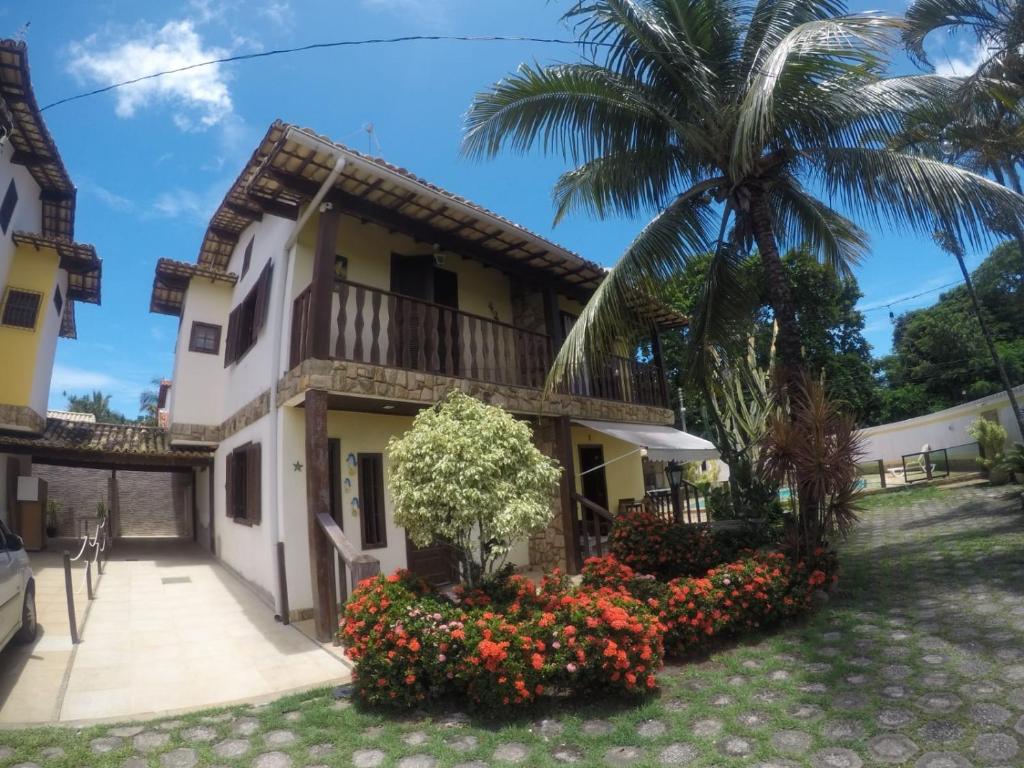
<point x="151" y="162"/>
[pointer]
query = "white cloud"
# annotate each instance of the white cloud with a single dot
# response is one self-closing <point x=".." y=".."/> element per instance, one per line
<point x="964" y="62"/>
<point x="436" y="10"/>
<point x="74" y="380"/>
<point x="110" y="199"/>
<point x="279" y="13"/>
<point x="178" y="203"/>
<point x="201" y="95"/>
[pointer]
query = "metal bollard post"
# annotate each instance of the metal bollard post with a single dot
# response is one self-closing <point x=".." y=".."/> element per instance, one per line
<point x="69" y="589"/>
<point x="88" y="578"/>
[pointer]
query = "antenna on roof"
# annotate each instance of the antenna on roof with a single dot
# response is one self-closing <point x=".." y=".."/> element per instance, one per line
<point x="371" y="139"/>
<point x="22" y="32"/>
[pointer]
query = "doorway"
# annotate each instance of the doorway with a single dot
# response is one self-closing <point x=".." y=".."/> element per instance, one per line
<point x="416" y="334"/>
<point x="593" y="481"/>
<point x="434" y="563"/>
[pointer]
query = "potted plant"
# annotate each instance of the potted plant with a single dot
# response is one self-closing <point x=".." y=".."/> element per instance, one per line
<point x="52" y="518"/>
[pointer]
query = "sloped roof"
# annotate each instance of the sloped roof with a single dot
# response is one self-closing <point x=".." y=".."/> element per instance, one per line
<point x="72" y="439"/>
<point x="34" y="148"/>
<point x="171" y="280"/>
<point x="72" y="416"/>
<point x="284" y="174"/>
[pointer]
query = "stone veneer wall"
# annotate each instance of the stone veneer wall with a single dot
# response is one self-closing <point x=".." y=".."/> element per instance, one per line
<point x="21" y="418"/>
<point x="152" y="503"/>
<point x="248" y="414"/>
<point x="427" y="388"/>
<point x="547" y="547"/>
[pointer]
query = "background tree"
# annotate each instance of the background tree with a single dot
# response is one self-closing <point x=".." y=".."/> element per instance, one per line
<point x="938" y="357"/>
<point x="711" y="114"/>
<point x="97" y="404"/>
<point x="468" y="473"/>
<point x="149" y="399"/>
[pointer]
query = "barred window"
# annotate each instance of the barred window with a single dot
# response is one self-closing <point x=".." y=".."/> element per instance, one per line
<point x="21" y="308"/>
<point x="205" y="338"/>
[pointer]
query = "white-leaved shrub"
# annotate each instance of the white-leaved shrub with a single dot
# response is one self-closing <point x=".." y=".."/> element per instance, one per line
<point x="469" y="474"/>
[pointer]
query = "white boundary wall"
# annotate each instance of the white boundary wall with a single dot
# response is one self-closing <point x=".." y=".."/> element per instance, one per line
<point x="942" y="429"/>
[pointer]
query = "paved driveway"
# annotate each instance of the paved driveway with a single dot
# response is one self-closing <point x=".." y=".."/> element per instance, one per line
<point x="919" y="662"/>
<point x="170" y="629"/>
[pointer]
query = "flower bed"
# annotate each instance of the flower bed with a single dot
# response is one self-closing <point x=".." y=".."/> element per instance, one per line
<point x="667" y="550"/>
<point x="509" y="642"/>
<point x="509" y="648"/>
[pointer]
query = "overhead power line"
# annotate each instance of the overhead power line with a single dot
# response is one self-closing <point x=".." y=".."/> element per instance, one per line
<point x="905" y="299"/>
<point x="335" y="44"/>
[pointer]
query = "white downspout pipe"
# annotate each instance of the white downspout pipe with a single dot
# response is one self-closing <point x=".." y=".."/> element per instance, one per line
<point x="277" y="354"/>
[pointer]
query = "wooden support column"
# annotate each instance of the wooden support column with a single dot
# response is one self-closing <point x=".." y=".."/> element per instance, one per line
<point x="321" y="556"/>
<point x="566" y="488"/>
<point x="322" y="288"/>
<point x="113" y="505"/>
<point x="659" y="362"/>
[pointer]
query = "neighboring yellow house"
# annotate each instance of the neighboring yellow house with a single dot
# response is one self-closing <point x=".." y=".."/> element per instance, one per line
<point x="43" y="271"/>
<point x="335" y="296"/>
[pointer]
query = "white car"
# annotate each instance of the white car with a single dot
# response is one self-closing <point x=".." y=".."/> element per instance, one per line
<point x="17" y="591"/>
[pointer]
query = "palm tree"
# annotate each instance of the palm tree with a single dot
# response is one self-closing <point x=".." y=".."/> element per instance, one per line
<point x="997" y="27"/>
<point x="149" y="403"/>
<point x="733" y="125"/>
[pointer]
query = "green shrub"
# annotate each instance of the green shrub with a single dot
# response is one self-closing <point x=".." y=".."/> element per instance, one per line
<point x="991" y="437"/>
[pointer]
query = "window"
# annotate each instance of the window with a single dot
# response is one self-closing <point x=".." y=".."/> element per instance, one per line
<point x="204" y="338"/>
<point x="244" y="503"/>
<point x="247" y="256"/>
<point x="334" y="479"/>
<point x="8" y="205"/>
<point x="371" y="489"/>
<point x="247" y="319"/>
<point x="58" y="300"/>
<point x="21" y="309"/>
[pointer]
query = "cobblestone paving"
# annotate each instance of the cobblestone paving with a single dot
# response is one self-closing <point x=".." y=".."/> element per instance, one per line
<point x="917" y="661"/>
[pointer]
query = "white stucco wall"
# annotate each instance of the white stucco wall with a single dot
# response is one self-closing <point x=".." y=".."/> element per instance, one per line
<point x="28" y="214"/>
<point x="198" y="393"/>
<point x="943" y="429"/>
<point x="248" y="550"/>
<point x="49" y="331"/>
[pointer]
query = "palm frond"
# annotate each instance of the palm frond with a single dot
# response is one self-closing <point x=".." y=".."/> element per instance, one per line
<point x="580" y="111"/>
<point x="624" y="183"/>
<point x="803" y="220"/>
<point x="615" y="311"/>
<point x="895" y="188"/>
<point x="793" y="73"/>
<point x="771" y="20"/>
<point x="927" y="16"/>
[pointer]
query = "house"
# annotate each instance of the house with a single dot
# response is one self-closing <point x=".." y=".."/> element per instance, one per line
<point x="333" y="297"/>
<point x="44" y="272"/>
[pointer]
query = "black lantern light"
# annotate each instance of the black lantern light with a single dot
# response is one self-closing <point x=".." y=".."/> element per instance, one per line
<point x="674" y="470"/>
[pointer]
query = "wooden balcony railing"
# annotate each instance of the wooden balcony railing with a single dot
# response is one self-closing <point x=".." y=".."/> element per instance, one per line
<point x="623" y="379"/>
<point x="385" y="328"/>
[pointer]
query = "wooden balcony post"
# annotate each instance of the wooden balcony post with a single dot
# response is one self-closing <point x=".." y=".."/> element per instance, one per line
<point x="322" y="286"/>
<point x="321" y="557"/>
<point x="553" y="319"/>
<point x="659" y="362"/>
<point x="566" y="491"/>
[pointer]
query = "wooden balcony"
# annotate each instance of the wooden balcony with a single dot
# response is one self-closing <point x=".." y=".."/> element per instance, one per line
<point x="380" y="327"/>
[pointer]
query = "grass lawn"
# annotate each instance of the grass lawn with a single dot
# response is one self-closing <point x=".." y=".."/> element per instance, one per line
<point x="918" y="657"/>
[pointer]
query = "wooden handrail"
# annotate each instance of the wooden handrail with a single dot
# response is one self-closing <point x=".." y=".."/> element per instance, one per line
<point x="593" y="507"/>
<point x="427" y="303"/>
<point x="361" y="565"/>
<point x="586" y="529"/>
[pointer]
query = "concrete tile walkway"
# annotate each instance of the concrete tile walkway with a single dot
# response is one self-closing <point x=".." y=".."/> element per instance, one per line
<point x="170" y="630"/>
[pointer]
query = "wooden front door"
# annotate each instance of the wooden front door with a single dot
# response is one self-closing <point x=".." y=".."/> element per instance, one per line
<point x="433" y="563"/>
<point x="594" y="482"/>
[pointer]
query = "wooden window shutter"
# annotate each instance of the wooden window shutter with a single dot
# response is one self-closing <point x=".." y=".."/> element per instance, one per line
<point x="231" y="345"/>
<point x="262" y="298"/>
<point x="229" y="485"/>
<point x="253" y="477"/>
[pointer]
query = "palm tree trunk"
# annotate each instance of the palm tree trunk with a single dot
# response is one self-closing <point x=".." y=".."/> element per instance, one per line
<point x="788" y="347"/>
<point x="991" y="344"/>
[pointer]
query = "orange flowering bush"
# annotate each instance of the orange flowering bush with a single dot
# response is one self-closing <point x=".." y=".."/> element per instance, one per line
<point x="503" y="644"/>
<point x="667" y="550"/>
